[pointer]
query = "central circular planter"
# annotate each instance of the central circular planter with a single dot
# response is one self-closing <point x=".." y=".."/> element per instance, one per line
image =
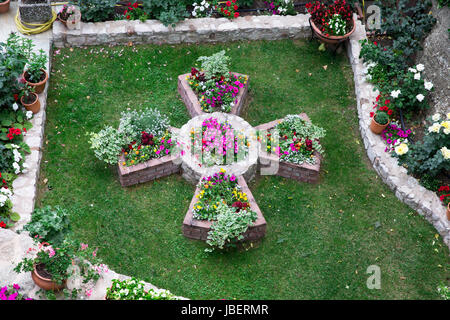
<point x="331" y="39"/>
<point x="192" y="154"/>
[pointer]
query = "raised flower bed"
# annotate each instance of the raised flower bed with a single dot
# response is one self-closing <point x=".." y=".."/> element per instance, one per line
<point x="214" y="90"/>
<point x="196" y="228"/>
<point x="298" y="155"/>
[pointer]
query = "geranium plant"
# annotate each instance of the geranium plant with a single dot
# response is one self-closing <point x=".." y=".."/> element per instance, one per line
<point x="135" y="12"/>
<point x="444" y="194"/>
<point x="227" y="9"/>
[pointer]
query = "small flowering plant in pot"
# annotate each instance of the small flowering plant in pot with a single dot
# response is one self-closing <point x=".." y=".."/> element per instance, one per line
<point x="134" y="289"/>
<point x="380" y="117"/>
<point x="35" y="74"/>
<point x="51" y="266"/>
<point x="65" y="13"/>
<point x="331" y="23"/>
<point x="444" y="196"/>
<point x="29" y="99"/>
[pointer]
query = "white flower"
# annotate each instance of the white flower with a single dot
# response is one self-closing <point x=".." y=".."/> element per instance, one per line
<point x="15" y="106"/>
<point x="202" y="8"/>
<point x="16" y="168"/>
<point x="428" y="85"/>
<point x="401" y="149"/>
<point x="436" y="117"/>
<point x="395" y="93"/>
<point x="420" y="97"/>
<point x="194" y="13"/>
<point x="434" y="128"/>
<point x="412" y="70"/>
<point x="29" y="114"/>
<point x="445" y="152"/>
<point x="417" y="76"/>
<point x="420" y="67"/>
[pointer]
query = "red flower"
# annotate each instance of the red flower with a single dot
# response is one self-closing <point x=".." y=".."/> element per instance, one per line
<point x="390" y="112"/>
<point x="372" y="114"/>
<point x="16" y="96"/>
<point x="2" y="224"/>
<point x="235" y="7"/>
<point x="128" y="17"/>
<point x="228" y="4"/>
<point x="135" y="5"/>
<point x="236" y="14"/>
<point x="375" y="43"/>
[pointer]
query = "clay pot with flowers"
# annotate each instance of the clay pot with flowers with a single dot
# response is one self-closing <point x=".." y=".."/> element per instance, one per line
<point x="54" y="263"/>
<point x="4" y="6"/>
<point x="380" y="121"/>
<point x="331" y="23"/>
<point x="35" y="74"/>
<point x="29" y="99"/>
<point x="65" y="13"/>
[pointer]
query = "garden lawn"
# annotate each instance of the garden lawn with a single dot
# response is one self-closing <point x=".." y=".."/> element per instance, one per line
<point x="320" y="238"/>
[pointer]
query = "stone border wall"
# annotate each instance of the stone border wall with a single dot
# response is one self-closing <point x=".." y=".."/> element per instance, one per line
<point x="192" y="103"/>
<point x="406" y="188"/>
<point x="304" y="172"/>
<point x="200" y="30"/>
<point x="198" y="229"/>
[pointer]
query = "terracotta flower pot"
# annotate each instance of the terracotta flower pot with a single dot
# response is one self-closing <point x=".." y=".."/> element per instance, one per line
<point x="448" y="211"/>
<point x="39" y="86"/>
<point x="44" y="282"/>
<point x="376" y="127"/>
<point x="64" y="22"/>
<point x="4" y="6"/>
<point x="35" y="106"/>
<point x="331" y="39"/>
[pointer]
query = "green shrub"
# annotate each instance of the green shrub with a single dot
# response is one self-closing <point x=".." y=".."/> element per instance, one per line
<point x="107" y="144"/>
<point x="215" y="65"/>
<point x="381" y="117"/>
<point x="51" y="224"/>
<point x="96" y="10"/>
<point x="169" y="12"/>
<point x="229" y="226"/>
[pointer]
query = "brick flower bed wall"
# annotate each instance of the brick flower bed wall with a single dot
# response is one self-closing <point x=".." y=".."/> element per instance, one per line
<point x="193" y="105"/>
<point x="198" y="229"/>
<point x="147" y="171"/>
<point x="304" y="172"/>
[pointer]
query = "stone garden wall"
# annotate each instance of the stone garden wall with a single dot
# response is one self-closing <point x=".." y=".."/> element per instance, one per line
<point x="405" y="187"/>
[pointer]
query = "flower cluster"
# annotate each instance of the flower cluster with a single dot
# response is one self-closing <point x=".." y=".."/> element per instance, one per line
<point x="280" y="7"/>
<point x="135" y="12"/>
<point x="148" y="147"/>
<point x="228" y="8"/>
<point x="216" y="94"/>
<point x="298" y="140"/>
<point x="382" y="113"/>
<point x="437" y="126"/>
<point x="444" y="194"/>
<point x="322" y="15"/>
<point x="395" y="138"/>
<point x="12" y="293"/>
<point x="220" y="143"/>
<point x="216" y="189"/>
<point x="66" y="11"/>
<point x="134" y="289"/>
<point x="202" y="9"/>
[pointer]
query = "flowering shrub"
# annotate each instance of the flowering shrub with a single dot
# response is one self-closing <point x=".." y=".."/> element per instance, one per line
<point x="444" y="194"/>
<point x="430" y="156"/>
<point x="12" y="293"/>
<point x="220" y="143"/>
<point x="133" y="289"/>
<point x="298" y="140"/>
<point x="324" y="15"/>
<point x="219" y="189"/>
<point x="135" y="12"/>
<point x="280" y="7"/>
<point x="202" y="9"/>
<point x="227" y="9"/>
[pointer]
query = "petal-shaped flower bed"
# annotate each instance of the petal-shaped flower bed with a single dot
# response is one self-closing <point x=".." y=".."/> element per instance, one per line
<point x="290" y="148"/>
<point x="210" y="193"/>
<point x="225" y="95"/>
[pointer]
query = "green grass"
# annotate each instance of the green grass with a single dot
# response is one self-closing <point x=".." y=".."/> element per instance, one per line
<point x="318" y="245"/>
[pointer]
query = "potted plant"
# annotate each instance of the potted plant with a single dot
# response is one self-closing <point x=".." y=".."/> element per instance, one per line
<point x="331" y="23"/>
<point x="29" y="99"/>
<point x="35" y="73"/>
<point x="65" y="13"/>
<point x="380" y="121"/>
<point x="53" y="265"/>
<point x="4" y="6"/>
